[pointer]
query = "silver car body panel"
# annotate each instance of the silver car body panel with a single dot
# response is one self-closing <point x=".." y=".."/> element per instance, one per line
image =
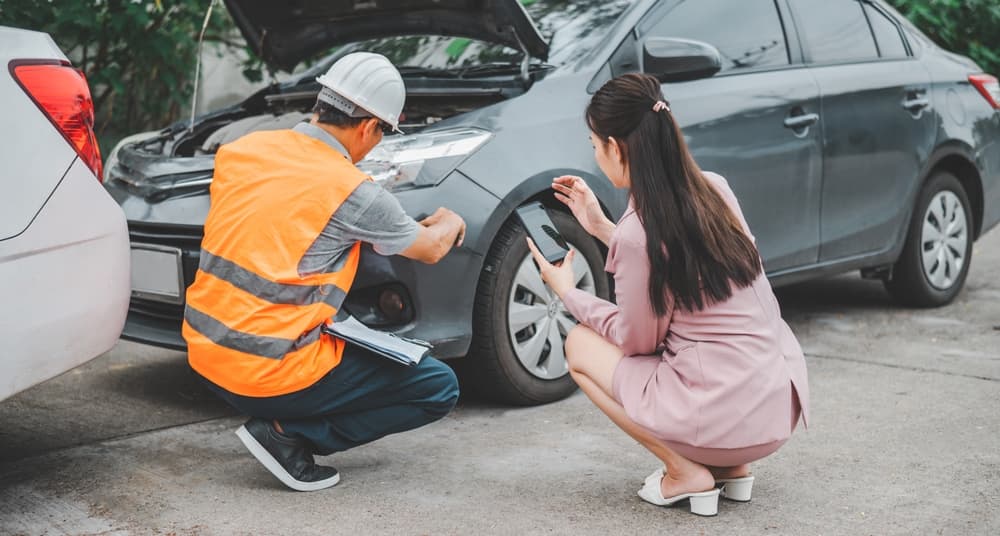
<point x="43" y="155"/>
<point x="64" y="256"/>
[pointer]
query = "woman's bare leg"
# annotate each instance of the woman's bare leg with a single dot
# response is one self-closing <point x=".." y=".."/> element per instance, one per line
<point x="592" y="362"/>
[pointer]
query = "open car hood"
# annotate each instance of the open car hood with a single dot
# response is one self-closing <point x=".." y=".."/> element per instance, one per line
<point x="285" y="33"/>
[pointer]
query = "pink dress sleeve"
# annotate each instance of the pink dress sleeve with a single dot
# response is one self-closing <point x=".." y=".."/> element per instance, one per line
<point x="630" y="324"/>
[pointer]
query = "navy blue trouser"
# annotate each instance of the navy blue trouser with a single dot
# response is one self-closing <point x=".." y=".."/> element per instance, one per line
<point x="362" y="399"/>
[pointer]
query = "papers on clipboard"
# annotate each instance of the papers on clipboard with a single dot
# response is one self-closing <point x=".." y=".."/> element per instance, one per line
<point x="400" y="349"/>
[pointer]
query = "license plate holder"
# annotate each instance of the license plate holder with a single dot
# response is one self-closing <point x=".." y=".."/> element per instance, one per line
<point x="157" y="273"/>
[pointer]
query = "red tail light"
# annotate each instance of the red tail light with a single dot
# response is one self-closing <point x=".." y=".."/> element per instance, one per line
<point x="989" y="87"/>
<point x="61" y="92"/>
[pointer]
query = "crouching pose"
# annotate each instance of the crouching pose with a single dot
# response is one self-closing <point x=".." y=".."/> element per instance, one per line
<point x="693" y="360"/>
<point x="289" y="211"/>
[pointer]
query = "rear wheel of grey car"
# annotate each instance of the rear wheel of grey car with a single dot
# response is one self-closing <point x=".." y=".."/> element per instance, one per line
<point x="519" y="325"/>
<point x="935" y="260"/>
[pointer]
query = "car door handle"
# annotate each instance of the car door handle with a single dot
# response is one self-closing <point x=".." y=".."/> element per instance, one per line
<point x="801" y="121"/>
<point x="915" y="105"/>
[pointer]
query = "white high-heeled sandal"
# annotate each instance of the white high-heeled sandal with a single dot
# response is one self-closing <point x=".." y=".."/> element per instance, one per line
<point x="703" y="503"/>
<point x="736" y="489"/>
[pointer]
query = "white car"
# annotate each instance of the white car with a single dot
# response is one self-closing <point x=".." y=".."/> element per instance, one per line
<point x="64" y="250"/>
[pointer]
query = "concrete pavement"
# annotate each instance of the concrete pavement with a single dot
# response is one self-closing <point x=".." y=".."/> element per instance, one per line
<point x="904" y="439"/>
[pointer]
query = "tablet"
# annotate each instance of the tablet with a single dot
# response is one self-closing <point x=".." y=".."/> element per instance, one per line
<point x="543" y="232"/>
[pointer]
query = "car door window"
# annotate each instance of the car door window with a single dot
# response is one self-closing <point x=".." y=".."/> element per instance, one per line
<point x="890" y="42"/>
<point x="836" y="31"/>
<point x="747" y="33"/>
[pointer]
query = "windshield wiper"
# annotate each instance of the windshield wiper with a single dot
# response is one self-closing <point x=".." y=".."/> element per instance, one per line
<point x="487" y="69"/>
<point x="473" y="71"/>
<point x="416" y="70"/>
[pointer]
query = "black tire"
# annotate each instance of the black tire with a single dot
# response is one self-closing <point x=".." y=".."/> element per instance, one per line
<point x="492" y="368"/>
<point x="909" y="284"/>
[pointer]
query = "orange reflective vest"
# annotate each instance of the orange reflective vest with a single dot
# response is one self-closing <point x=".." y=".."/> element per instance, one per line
<point x="252" y="321"/>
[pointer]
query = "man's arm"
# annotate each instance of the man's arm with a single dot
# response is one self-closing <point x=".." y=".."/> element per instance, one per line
<point x="438" y="233"/>
<point x="373" y="215"/>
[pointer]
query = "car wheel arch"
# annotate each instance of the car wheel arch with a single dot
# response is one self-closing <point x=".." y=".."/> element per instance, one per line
<point x="955" y="157"/>
<point x="539" y="188"/>
<point x="500" y="370"/>
<point x="958" y="159"/>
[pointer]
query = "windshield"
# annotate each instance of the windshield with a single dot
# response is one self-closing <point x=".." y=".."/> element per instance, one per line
<point x="572" y="28"/>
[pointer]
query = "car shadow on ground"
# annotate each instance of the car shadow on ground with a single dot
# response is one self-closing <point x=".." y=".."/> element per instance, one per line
<point x="170" y="385"/>
<point x="129" y="390"/>
<point x="835" y="294"/>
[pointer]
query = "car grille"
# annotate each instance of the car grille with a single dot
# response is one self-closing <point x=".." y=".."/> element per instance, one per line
<point x="188" y="240"/>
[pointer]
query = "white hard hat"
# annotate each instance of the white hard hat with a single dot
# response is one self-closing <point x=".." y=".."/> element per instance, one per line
<point x="364" y="84"/>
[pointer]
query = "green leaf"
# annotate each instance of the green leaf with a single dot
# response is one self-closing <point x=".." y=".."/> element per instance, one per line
<point x="967" y="27"/>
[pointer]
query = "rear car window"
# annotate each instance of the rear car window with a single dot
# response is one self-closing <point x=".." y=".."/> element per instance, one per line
<point x="890" y="42"/>
<point x="835" y="31"/>
<point x="747" y="33"/>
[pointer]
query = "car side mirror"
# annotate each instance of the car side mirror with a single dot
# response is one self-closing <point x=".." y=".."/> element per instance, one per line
<point x="680" y="60"/>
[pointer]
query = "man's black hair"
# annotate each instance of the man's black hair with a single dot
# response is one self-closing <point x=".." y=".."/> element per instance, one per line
<point x="331" y="116"/>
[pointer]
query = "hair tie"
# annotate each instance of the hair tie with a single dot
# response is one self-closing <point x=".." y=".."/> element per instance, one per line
<point x="659" y="106"/>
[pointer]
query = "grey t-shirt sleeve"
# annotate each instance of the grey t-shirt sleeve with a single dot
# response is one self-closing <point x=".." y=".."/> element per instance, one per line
<point x="370" y="214"/>
<point x="382" y="223"/>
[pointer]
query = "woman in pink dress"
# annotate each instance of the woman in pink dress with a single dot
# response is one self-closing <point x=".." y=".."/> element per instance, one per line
<point x="693" y="360"/>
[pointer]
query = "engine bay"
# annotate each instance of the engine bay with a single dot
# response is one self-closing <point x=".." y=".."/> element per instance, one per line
<point x="424" y="107"/>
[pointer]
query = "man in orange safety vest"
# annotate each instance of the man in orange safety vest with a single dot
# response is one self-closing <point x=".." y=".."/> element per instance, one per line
<point x="289" y="211"/>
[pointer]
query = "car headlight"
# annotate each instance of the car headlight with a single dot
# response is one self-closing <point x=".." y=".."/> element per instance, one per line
<point x="421" y="159"/>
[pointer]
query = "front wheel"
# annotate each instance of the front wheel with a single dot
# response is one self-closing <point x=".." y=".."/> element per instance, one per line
<point x="935" y="260"/>
<point x="520" y="325"/>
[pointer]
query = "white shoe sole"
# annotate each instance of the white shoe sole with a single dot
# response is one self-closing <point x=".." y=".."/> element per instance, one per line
<point x="272" y="465"/>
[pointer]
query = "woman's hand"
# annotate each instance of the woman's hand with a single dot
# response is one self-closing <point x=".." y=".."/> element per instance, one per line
<point x="577" y="195"/>
<point x="560" y="278"/>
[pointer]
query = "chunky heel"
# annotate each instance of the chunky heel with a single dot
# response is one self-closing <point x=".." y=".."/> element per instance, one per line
<point x="705" y="504"/>
<point x="736" y="489"/>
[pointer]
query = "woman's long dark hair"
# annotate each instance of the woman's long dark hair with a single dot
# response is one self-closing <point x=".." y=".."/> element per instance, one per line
<point x="697" y="248"/>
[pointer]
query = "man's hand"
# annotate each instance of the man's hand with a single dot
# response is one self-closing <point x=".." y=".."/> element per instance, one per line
<point x="446" y="217"/>
<point x="436" y="217"/>
<point x="440" y="232"/>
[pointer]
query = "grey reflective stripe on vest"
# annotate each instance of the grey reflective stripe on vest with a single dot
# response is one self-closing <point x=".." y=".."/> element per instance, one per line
<point x="272" y="347"/>
<point x="276" y="293"/>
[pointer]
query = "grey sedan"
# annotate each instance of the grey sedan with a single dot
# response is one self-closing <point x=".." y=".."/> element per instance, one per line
<point x="852" y="141"/>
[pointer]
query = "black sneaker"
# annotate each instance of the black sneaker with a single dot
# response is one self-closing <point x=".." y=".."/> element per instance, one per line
<point x="288" y="458"/>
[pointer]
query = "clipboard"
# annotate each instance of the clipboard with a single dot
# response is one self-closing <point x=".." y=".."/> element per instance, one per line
<point x="402" y="350"/>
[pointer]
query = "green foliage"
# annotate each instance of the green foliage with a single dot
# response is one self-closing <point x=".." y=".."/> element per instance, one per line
<point x="968" y="27"/>
<point x="139" y="55"/>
